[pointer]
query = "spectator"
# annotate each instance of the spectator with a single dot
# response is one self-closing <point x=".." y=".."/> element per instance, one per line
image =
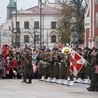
<point x="1" y="66"/>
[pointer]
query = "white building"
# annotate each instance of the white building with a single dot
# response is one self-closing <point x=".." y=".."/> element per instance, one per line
<point x="5" y="34"/>
<point x="28" y="25"/>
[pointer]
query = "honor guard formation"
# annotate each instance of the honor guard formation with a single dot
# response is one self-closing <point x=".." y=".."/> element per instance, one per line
<point x="57" y="65"/>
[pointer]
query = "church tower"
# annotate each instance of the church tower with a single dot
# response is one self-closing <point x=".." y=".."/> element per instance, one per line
<point x="11" y="7"/>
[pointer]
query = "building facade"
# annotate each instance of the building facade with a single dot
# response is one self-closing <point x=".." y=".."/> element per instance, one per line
<point x="24" y="25"/>
<point x="91" y="24"/>
<point x="5" y="34"/>
<point x="28" y="23"/>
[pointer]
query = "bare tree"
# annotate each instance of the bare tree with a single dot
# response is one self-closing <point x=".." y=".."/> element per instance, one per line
<point x="72" y="19"/>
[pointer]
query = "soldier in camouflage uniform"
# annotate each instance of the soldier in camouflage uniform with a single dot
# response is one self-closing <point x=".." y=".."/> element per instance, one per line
<point x="54" y="66"/>
<point x="64" y="69"/>
<point x="85" y="74"/>
<point x="94" y="55"/>
<point x="57" y="65"/>
<point x="28" y="69"/>
<point x="40" y="58"/>
<point x="46" y="66"/>
<point x="23" y="66"/>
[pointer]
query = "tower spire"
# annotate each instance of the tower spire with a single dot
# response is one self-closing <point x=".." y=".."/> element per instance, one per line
<point x="11" y="7"/>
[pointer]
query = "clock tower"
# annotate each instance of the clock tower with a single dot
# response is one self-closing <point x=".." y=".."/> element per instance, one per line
<point x="11" y="7"/>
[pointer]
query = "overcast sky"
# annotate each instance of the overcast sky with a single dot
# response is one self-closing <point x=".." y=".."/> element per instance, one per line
<point x="24" y="4"/>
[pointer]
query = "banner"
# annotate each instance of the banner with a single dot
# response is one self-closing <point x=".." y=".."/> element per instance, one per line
<point x="76" y="62"/>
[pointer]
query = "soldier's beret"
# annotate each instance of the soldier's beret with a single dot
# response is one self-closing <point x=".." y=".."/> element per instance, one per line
<point x="47" y="50"/>
<point x="86" y="48"/>
<point x="55" y="48"/>
<point x="42" y="49"/>
<point x="79" y="48"/>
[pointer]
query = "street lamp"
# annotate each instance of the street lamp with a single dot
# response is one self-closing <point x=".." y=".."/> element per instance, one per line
<point x="40" y="1"/>
<point x="16" y="26"/>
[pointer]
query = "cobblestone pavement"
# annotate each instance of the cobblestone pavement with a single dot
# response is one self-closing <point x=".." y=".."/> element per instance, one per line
<point x="40" y="89"/>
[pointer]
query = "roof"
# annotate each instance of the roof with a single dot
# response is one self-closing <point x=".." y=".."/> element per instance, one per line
<point x="12" y="4"/>
<point x="46" y="10"/>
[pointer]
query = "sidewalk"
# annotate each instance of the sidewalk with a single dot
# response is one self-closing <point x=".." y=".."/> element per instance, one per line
<point x="40" y="89"/>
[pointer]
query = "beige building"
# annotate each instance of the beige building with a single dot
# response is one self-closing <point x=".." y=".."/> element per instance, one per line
<point x="6" y="34"/>
<point x="28" y="25"/>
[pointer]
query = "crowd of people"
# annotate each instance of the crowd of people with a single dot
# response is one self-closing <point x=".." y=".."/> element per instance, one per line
<point x="14" y="61"/>
<point x="51" y="65"/>
<point x="9" y="63"/>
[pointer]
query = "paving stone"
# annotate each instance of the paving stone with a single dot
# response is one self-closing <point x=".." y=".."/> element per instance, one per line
<point x="14" y="88"/>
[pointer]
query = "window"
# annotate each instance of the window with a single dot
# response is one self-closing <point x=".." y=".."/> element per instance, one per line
<point x="18" y="40"/>
<point x="53" y="38"/>
<point x="53" y="25"/>
<point x="36" y="25"/>
<point x="37" y="39"/>
<point x="26" y="25"/>
<point x="96" y="1"/>
<point x="18" y="26"/>
<point x="97" y="20"/>
<point x="26" y="38"/>
<point x="9" y="28"/>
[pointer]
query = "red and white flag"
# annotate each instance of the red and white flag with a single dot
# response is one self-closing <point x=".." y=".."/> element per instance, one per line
<point x="76" y="62"/>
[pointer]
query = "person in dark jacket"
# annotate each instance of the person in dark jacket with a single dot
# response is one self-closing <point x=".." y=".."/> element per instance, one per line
<point x="1" y="66"/>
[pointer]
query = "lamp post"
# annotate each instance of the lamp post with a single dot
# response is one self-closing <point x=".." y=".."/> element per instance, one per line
<point x="16" y="26"/>
<point x="0" y="37"/>
<point x="40" y="1"/>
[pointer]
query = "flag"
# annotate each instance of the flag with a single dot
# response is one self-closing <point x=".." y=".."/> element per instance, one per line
<point x="76" y="62"/>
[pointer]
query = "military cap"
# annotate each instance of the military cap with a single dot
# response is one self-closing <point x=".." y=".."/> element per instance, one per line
<point x="86" y="48"/>
<point x="42" y="48"/>
<point x="47" y="50"/>
<point x="55" y="48"/>
<point x="79" y="48"/>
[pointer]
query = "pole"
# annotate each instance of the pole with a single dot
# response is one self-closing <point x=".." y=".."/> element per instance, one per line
<point x="0" y="36"/>
<point x="16" y="26"/>
<point x="34" y="39"/>
<point x="40" y="23"/>
<point x="47" y="38"/>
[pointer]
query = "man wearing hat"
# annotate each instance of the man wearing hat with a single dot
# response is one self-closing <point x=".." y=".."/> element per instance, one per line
<point x="28" y="59"/>
<point x="40" y="59"/>
<point x="55" y="66"/>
